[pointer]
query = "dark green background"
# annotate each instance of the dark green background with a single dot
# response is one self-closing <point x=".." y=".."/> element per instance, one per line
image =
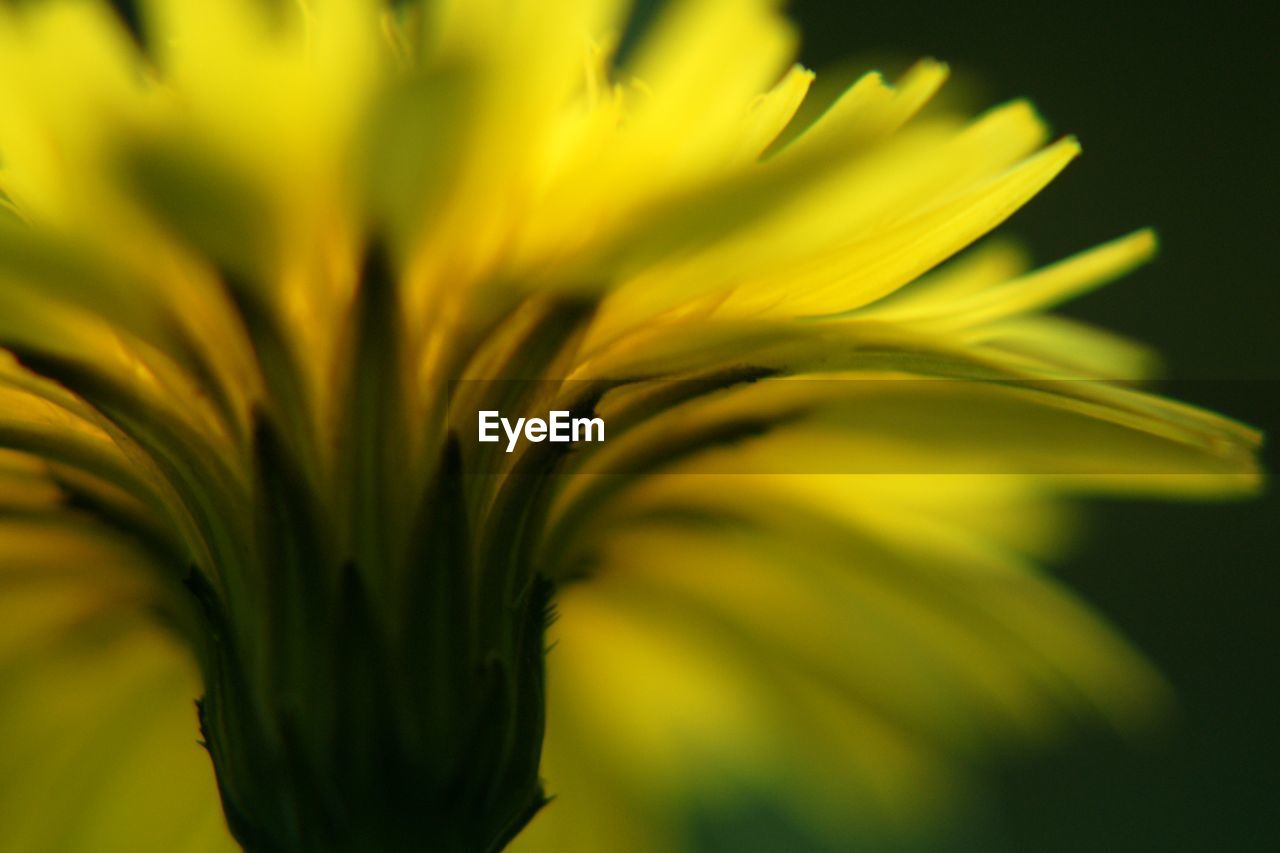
<point x="1176" y="105"/>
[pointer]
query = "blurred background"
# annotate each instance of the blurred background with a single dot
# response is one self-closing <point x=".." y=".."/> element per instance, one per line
<point x="1176" y="106"/>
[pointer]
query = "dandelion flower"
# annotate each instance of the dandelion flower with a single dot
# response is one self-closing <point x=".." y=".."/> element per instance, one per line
<point x="263" y="265"/>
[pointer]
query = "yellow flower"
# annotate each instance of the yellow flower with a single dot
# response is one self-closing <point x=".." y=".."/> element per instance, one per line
<point x="259" y="277"/>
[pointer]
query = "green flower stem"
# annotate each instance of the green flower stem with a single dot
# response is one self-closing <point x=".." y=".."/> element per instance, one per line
<point x="337" y="725"/>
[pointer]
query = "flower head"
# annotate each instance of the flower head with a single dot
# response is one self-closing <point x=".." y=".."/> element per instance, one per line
<point x="261" y="272"/>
